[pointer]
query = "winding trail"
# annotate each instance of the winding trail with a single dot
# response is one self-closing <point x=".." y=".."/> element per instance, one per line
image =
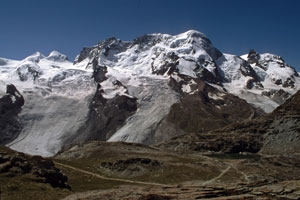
<point x="211" y="181"/>
<point x="111" y="179"/>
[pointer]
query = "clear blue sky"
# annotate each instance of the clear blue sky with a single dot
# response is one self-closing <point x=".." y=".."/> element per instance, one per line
<point x="233" y="26"/>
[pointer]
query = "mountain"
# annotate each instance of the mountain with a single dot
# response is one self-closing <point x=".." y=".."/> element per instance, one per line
<point x="146" y="91"/>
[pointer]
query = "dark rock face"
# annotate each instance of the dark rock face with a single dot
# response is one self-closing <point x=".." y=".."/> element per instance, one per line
<point x="10" y="106"/>
<point x="247" y="70"/>
<point x="253" y="57"/>
<point x="99" y="73"/>
<point x="208" y="76"/>
<point x="208" y="109"/>
<point x="288" y="83"/>
<point x="106" y="116"/>
<point x="83" y="54"/>
<point x="204" y="109"/>
<point x="18" y="164"/>
<point x="278" y="96"/>
<point x="146" y="40"/>
<point x="169" y="66"/>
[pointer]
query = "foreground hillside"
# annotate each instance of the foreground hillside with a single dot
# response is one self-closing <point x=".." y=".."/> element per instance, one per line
<point x="98" y="170"/>
<point x="30" y="177"/>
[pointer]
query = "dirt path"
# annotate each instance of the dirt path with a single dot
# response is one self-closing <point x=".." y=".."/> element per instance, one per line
<point x="217" y="177"/>
<point x="211" y="181"/>
<point x="111" y="179"/>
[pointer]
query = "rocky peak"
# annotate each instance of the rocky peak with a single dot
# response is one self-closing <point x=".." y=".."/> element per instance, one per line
<point x="253" y="57"/>
<point x="84" y="53"/>
<point x="191" y="48"/>
<point x="147" y="40"/>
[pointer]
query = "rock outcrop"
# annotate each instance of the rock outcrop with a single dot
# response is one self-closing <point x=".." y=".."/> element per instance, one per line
<point x="10" y="106"/>
<point x="18" y="164"/>
<point x="106" y="116"/>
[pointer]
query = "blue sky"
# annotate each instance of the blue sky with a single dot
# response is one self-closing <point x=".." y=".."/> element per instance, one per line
<point x="233" y="26"/>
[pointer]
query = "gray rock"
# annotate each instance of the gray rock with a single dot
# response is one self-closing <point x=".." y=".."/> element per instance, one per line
<point x="10" y="106"/>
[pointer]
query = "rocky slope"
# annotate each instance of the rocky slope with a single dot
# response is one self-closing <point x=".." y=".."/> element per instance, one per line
<point x="137" y="91"/>
<point x="30" y="177"/>
<point x="288" y="190"/>
<point x="10" y="106"/>
<point x="207" y="108"/>
<point x="275" y="133"/>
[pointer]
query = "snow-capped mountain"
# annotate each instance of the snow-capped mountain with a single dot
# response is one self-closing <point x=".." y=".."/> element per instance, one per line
<point x="56" y="94"/>
<point x="124" y="90"/>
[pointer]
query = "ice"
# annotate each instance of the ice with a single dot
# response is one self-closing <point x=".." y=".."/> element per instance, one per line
<point x="187" y="67"/>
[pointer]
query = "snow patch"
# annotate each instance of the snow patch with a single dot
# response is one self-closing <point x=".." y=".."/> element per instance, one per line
<point x="218" y="96"/>
<point x="186" y="88"/>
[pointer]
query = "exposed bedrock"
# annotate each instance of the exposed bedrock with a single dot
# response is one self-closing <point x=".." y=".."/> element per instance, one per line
<point x="10" y="106"/>
<point x="205" y="108"/>
<point x="106" y="116"/>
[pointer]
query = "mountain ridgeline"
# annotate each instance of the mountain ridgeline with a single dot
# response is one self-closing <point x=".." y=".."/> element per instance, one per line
<point x="147" y="91"/>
